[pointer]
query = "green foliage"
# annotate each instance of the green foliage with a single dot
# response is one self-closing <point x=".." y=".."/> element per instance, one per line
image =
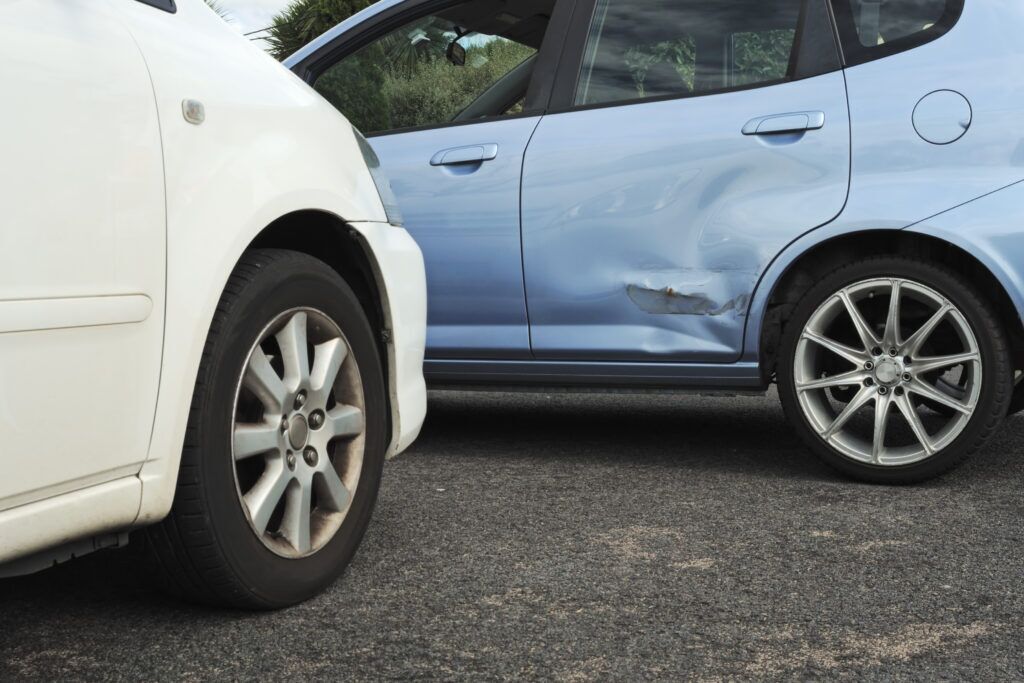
<point x="435" y="91"/>
<point x="304" y="20"/>
<point x="383" y="87"/>
<point x="396" y="82"/>
<point x="762" y="57"/>
<point x="758" y="58"/>
<point x="681" y="53"/>
<point x="353" y="86"/>
<point x="393" y="83"/>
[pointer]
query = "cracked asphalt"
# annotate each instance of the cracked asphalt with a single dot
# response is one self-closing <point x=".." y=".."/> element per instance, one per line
<point x="595" y="537"/>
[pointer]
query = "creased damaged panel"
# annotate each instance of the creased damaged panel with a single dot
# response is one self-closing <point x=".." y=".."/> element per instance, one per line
<point x="671" y="302"/>
<point x="710" y="293"/>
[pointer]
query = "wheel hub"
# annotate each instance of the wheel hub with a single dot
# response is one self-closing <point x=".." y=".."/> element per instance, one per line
<point x="298" y="432"/>
<point x="888" y="371"/>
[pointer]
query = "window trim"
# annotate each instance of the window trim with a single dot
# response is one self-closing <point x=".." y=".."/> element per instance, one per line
<point x="855" y="53"/>
<point x="345" y="44"/>
<point x="571" y="66"/>
<point x="450" y="124"/>
<point x="168" y="6"/>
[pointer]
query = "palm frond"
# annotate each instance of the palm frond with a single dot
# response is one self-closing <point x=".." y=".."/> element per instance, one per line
<point x="219" y="9"/>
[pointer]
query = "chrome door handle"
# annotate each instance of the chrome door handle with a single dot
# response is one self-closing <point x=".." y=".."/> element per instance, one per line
<point x="778" y="124"/>
<point x="471" y="154"/>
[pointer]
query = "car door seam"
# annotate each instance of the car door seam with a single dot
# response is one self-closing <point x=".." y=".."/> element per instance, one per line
<point x="522" y="245"/>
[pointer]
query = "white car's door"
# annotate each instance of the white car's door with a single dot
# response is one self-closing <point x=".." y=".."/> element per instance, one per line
<point x="82" y="249"/>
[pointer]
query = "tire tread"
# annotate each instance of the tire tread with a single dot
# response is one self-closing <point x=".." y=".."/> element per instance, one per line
<point x="186" y="560"/>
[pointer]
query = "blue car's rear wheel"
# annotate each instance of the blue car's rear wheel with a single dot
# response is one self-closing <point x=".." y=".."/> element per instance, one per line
<point x="893" y="370"/>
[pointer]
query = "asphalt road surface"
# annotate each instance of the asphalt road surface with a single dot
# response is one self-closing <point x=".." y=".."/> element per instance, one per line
<point x="586" y="537"/>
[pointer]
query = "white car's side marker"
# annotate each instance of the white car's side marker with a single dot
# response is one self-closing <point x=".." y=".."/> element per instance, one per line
<point x="194" y="111"/>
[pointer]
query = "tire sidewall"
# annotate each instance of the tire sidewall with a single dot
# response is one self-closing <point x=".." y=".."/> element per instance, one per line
<point x="301" y="282"/>
<point x="992" y="401"/>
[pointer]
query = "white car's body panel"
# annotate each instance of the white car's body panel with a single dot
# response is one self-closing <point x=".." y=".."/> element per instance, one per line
<point x="269" y="147"/>
<point x="81" y="249"/>
<point x="80" y="514"/>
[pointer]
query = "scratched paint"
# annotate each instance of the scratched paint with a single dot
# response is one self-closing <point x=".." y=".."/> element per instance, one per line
<point x="668" y="301"/>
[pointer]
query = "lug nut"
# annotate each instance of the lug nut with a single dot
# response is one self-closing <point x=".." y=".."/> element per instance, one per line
<point x="284" y="423"/>
<point x="869" y="366"/>
<point x="907" y="377"/>
<point x="290" y="459"/>
<point x="310" y="456"/>
<point x="300" y="400"/>
<point x="893" y="352"/>
<point x="883" y="391"/>
<point x="868" y="382"/>
<point x="877" y="351"/>
<point x="316" y="420"/>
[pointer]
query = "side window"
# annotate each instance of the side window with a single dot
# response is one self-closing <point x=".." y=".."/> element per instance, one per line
<point x="461" y="63"/>
<point x="871" y="29"/>
<point x="651" y="48"/>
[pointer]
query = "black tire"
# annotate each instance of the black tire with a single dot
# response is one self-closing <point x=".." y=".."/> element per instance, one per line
<point x="996" y="389"/>
<point x="205" y="550"/>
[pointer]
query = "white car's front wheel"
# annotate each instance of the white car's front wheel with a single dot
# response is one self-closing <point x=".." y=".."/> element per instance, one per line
<point x="285" y="443"/>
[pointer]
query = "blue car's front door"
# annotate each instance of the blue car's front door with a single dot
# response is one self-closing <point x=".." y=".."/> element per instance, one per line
<point x="446" y="94"/>
<point x="465" y="218"/>
<point x="695" y="140"/>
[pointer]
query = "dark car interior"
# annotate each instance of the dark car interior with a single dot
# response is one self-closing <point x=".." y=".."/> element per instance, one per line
<point x="663" y="48"/>
<point x="521" y="22"/>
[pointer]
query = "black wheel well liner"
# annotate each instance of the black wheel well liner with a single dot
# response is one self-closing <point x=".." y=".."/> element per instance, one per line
<point x="330" y="239"/>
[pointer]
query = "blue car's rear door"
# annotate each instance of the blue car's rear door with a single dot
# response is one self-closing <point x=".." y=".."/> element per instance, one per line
<point x="688" y="143"/>
<point x="451" y="129"/>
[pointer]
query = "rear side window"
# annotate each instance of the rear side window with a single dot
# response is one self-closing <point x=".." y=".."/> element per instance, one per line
<point x="871" y="29"/>
<point x="639" y="49"/>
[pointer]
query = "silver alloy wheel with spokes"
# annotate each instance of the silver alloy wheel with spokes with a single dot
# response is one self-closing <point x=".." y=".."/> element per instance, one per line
<point x="885" y="362"/>
<point x="298" y="432"/>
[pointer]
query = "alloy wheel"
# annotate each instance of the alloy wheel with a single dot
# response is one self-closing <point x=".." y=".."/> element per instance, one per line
<point x="872" y="357"/>
<point x="298" y="432"/>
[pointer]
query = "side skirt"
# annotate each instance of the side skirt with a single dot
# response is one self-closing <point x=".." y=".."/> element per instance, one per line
<point x="545" y="375"/>
<point x="56" y="524"/>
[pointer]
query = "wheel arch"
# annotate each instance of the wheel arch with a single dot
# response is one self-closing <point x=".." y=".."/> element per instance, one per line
<point x="328" y="238"/>
<point x="823" y="257"/>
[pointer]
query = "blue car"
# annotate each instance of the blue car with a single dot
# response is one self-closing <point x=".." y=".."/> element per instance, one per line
<point x="714" y="196"/>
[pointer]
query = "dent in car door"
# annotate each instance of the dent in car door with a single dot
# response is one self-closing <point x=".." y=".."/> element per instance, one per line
<point x="81" y="249"/>
<point x="649" y="217"/>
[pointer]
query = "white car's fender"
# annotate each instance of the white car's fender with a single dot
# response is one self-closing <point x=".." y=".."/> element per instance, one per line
<point x="256" y="115"/>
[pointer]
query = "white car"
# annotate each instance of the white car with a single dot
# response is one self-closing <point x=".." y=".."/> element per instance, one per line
<point x="211" y="322"/>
